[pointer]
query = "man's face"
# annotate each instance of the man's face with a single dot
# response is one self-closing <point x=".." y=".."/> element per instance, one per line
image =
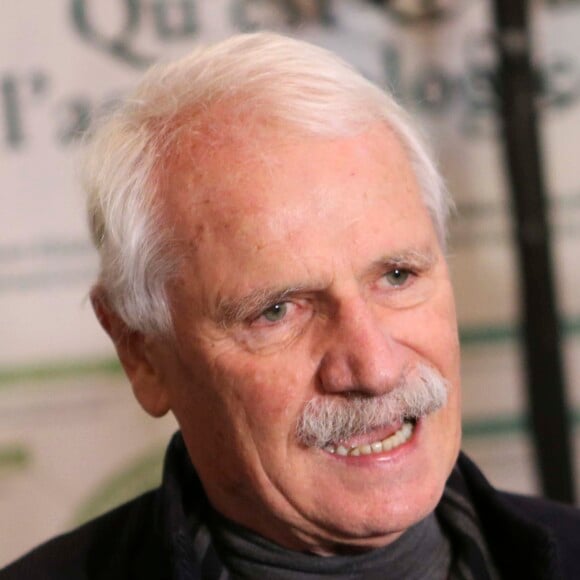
<point x="312" y="272"/>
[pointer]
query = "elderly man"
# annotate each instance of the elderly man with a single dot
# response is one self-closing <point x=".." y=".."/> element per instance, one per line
<point x="272" y="236"/>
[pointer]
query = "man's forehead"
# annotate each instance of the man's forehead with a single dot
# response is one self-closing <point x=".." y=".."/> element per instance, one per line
<point x="229" y="176"/>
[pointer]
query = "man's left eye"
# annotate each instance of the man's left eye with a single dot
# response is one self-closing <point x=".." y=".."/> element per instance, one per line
<point x="276" y="312"/>
<point x="397" y="276"/>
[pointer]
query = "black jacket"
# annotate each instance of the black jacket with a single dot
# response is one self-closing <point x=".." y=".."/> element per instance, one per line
<point x="151" y="537"/>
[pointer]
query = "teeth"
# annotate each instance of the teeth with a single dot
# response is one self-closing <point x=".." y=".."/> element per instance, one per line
<point x="394" y="440"/>
<point x="377" y="447"/>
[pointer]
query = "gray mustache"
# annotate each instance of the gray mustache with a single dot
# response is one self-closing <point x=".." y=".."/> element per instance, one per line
<point x="329" y="420"/>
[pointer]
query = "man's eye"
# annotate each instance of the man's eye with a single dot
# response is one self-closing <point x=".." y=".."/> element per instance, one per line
<point x="276" y="312"/>
<point x="398" y="276"/>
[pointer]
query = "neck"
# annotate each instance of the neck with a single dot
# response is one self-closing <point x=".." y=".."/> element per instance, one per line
<point x="249" y="555"/>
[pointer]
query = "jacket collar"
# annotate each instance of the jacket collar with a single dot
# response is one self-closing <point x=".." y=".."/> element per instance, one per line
<point x="521" y="547"/>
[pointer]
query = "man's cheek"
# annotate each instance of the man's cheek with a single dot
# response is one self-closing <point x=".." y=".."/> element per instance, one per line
<point x="273" y="393"/>
<point x="430" y="330"/>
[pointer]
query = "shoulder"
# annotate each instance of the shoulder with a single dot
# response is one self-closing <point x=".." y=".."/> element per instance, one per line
<point x="555" y="516"/>
<point x="550" y="513"/>
<point x="563" y="521"/>
<point x="526" y="528"/>
<point x="108" y="547"/>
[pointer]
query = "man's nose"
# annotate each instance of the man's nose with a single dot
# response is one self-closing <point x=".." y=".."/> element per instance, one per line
<point x="361" y="354"/>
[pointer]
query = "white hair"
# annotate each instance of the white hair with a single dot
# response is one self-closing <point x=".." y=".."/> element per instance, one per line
<point x="264" y="77"/>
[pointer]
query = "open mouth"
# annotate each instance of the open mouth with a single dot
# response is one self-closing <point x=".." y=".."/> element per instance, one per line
<point x="392" y="441"/>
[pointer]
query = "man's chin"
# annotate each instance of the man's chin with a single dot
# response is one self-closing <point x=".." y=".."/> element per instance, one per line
<point x="367" y="501"/>
<point x="359" y="530"/>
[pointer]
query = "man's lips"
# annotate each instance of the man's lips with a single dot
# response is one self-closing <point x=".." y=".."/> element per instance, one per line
<point x="377" y="441"/>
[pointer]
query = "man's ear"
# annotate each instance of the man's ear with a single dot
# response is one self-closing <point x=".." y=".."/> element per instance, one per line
<point x="135" y="355"/>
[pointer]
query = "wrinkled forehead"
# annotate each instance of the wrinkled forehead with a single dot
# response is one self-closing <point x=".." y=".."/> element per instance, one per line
<point x="271" y="173"/>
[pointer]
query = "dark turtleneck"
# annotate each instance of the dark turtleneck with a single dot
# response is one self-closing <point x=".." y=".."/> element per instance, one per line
<point x="423" y="551"/>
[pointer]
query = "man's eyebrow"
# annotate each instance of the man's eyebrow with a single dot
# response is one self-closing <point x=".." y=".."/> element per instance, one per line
<point x="234" y="310"/>
<point x="420" y="259"/>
